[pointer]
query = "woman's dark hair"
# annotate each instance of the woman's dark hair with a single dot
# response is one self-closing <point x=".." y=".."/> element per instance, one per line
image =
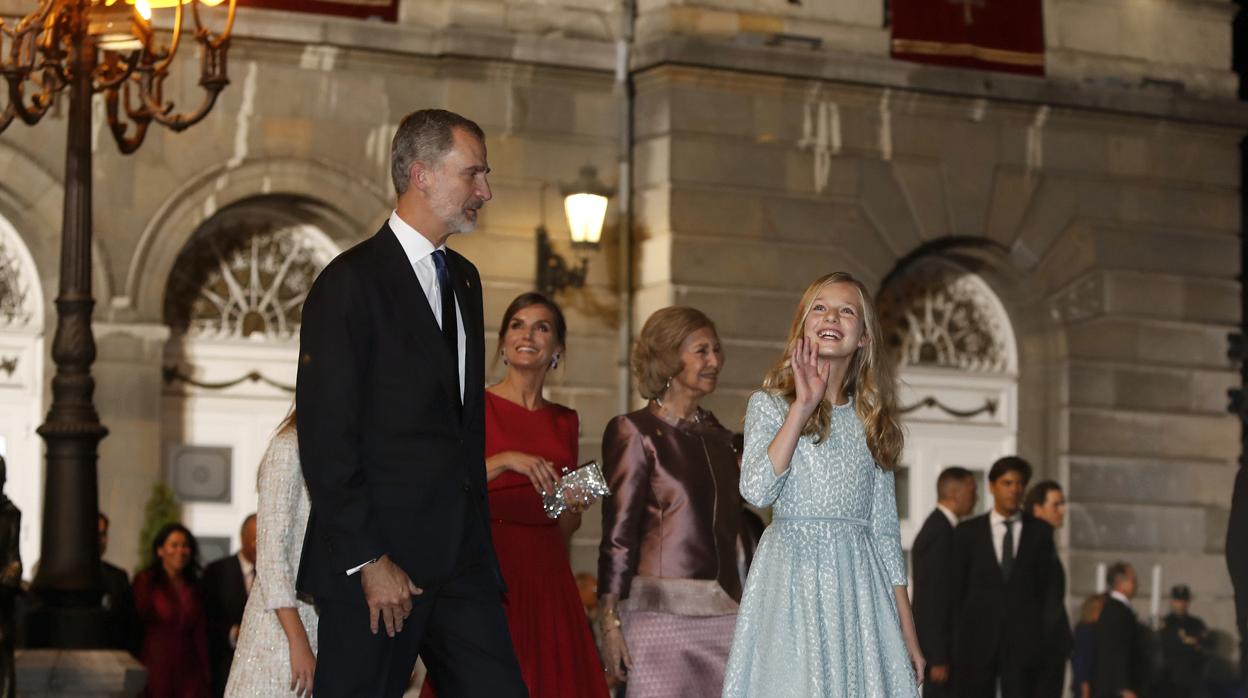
<point x="525" y="300"/>
<point x="191" y="573"/>
<point x="1039" y="494"/>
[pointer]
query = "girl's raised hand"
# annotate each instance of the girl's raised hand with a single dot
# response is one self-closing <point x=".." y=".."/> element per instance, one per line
<point x="810" y="376"/>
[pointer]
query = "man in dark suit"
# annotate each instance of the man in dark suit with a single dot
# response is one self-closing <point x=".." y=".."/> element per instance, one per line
<point x="933" y="558"/>
<point x="1119" y="671"/>
<point x="1046" y="501"/>
<point x="118" y="599"/>
<point x="1003" y="571"/>
<point x="226" y="584"/>
<point x="390" y="403"/>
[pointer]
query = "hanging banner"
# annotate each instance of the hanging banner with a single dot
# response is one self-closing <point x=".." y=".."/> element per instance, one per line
<point x="1005" y="35"/>
<point x="385" y="10"/>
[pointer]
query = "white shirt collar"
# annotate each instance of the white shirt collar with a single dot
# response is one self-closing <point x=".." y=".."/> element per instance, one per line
<point x="1121" y="597"/>
<point x="953" y="519"/>
<point x="415" y="245"/>
<point x="997" y="519"/>
<point x="245" y="565"/>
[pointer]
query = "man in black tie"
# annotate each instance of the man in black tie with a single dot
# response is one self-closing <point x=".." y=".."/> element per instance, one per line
<point x="933" y="558"/>
<point x="391" y="418"/>
<point x="1003" y="571"/>
<point x="226" y="584"/>
<point x="1046" y="502"/>
<point x="1120" y="669"/>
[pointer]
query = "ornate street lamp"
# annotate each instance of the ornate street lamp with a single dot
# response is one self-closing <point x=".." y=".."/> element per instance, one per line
<point x="585" y="205"/>
<point x="84" y="47"/>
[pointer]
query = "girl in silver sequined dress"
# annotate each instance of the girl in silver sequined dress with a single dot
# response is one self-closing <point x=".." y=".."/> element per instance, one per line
<point x="276" y="654"/>
<point x="825" y="610"/>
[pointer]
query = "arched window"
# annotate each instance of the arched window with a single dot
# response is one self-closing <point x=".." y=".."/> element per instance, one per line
<point x="958" y="368"/>
<point x="233" y="302"/>
<point x="246" y="281"/>
<point x="22" y="385"/>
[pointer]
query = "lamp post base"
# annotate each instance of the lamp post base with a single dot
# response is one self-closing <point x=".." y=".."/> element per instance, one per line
<point x="78" y="674"/>
<point x="67" y="628"/>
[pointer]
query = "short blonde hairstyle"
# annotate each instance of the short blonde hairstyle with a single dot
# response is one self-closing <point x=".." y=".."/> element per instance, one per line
<point x="656" y="353"/>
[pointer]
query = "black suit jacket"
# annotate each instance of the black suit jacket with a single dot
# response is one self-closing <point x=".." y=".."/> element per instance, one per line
<point x="1119" y="651"/>
<point x="118" y="602"/>
<point x="998" y="619"/>
<point x="225" y="598"/>
<point x="1058" y="640"/>
<point x="933" y="560"/>
<point x="394" y="465"/>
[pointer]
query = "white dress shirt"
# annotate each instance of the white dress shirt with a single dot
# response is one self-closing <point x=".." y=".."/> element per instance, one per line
<point x="953" y="518"/>
<point x="1115" y="594"/>
<point x="419" y="253"/>
<point x="998" y="523"/>
<point x="249" y="572"/>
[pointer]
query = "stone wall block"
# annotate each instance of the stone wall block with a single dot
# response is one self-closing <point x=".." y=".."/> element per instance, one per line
<point x="728" y="163"/>
<point x="1149" y="341"/>
<point x="1098" y="432"/>
<point x="924" y="186"/>
<point x="883" y="202"/>
<point x="1161" y="296"/>
<point x="652" y="162"/>
<point x="1148" y="480"/>
<point x="1138" y="528"/>
<point x="712" y="112"/>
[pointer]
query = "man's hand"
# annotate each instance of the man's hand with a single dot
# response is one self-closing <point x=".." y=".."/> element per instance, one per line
<point x="388" y="591"/>
<point x="938" y="674"/>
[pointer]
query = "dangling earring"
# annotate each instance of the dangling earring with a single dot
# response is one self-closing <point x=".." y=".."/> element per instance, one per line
<point x="554" y="362"/>
<point x="504" y="355"/>
<point x="666" y="387"/>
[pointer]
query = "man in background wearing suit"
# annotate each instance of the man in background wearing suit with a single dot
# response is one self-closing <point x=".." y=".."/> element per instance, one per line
<point x="1003" y="570"/>
<point x="391" y="410"/>
<point x="118" y="599"/>
<point x="934" y="598"/>
<point x="226" y="584"/>
<point x="1046" y="502"/>
<point x="1120" y="669"/>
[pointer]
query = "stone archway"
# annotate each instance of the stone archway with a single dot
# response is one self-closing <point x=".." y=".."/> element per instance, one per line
<point x="344" y="206"/>
<point x="233" y="303"/>
<point x="21" y="385"/>
<point x="958" y="367"/>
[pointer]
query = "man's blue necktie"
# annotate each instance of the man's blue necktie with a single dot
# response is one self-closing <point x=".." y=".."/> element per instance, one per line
<point x="447" y="292"/>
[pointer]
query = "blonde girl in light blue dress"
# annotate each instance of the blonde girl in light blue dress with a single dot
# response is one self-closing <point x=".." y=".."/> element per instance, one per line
<point x="825" y="610"/>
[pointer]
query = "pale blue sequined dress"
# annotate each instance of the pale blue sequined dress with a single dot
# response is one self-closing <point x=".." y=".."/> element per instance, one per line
<point x="818" y="616"/>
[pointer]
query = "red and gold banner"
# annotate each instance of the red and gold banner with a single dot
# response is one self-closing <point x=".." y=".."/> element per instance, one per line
<point x="386" y="10"/>
<point x="1003" y="35"/>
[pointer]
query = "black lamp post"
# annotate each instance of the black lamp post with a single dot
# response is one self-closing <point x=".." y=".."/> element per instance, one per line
<point x="84" y="47"/>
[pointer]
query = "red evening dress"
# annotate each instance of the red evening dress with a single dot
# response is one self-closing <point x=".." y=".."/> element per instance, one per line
<point x="549" y="630"/>
<point x="175" y="638"/>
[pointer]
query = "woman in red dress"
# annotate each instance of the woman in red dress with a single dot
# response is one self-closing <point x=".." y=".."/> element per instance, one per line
<point x="175" y="636"/>
<point x="528" y="442"/>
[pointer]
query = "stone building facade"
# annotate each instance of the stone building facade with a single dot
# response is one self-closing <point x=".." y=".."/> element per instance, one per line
<point x="1058" y="256"/>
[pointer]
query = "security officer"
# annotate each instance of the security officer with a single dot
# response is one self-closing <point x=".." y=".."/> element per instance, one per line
<point x="1183" y="647"/>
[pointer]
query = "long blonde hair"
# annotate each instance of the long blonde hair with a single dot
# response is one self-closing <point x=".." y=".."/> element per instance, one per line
<point x="869" y="380"/>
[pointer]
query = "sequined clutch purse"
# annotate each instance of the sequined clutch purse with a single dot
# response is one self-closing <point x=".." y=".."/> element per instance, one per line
<point x="586" y="480"/>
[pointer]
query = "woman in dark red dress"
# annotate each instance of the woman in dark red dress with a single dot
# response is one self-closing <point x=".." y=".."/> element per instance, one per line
<point x="528" y="442"/>
<point x="175" y="636"/>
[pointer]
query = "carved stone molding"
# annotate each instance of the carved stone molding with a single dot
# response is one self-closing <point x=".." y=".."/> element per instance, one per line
<point x="14" y="309"/>
<point x="245" y="281"/>
<point x="935" y="314"/>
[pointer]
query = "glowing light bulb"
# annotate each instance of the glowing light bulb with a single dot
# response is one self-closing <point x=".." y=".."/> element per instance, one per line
<point x="144" y="9"/>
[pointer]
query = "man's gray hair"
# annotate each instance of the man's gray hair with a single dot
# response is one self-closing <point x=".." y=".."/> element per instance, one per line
<point x="425" y="136"/>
